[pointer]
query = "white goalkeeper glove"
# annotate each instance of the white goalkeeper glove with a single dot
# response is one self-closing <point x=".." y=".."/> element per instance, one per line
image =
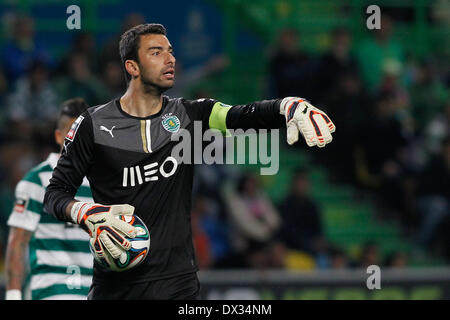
<point x="315" y="126"/>
<point x="105" y="229"/>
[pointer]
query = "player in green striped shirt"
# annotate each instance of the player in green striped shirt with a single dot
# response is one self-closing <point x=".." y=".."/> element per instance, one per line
<point x="59" y="264"/>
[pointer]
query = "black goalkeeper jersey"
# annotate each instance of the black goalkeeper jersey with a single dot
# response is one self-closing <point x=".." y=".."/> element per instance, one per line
<point x="128" y="160"/>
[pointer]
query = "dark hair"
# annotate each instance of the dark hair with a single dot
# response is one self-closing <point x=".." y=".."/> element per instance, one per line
<point x="129" y="42"/>
<point x="71" y="108"/>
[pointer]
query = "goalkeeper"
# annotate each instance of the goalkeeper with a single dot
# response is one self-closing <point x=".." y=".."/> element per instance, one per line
<point x="124" y="149"/>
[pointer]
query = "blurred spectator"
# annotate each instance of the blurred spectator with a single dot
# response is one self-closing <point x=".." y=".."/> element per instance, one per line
<point x="83" y="43"/>
<point x="113" y="79"/>
<point x="381" y="155"/>
<point x="334" y="63"/>
<point x="254" y="220"/>
<point x="348" y="103"/>
<point x="436" y="131"/>
<point x="289" y="67"/>
<point x="444" y="239"/>
<point x="339" y="88"/>
<point x="208" y="177"/>
<point x="202" y="243"/>
<point x="428" y="93"/>
<point x="440" y="12"/>
<point x="15" y="160"/>
<point x="338" y="259"/>
<point x="187" y="78"/>
<point x="110" y="51"/>
<point x="19" y="53"/>
<point x="301" y="227"/>
<point x="392" y="87"/>
<point x="277" y="255"/>
<point x="210" y="233"/>
<point x="81" y="82"/>
<point x="281" y="257"/>
<point x="31" y="108"/>
<point x="370" y="255"/>
<point x="110" y="66"/>
<point x="375" y="53"/>
<point x="3" y="94"/>
<point x="34" y="99"/>
<point x="433" y="203"/>
<point x="390" y="84"/>
<point x="3" y="84"/>
<point x="396" y="260"/>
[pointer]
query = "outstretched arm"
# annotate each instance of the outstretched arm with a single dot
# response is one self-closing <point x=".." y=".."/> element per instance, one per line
<point x="296" y="114"/>
<point x="301" y="116"/>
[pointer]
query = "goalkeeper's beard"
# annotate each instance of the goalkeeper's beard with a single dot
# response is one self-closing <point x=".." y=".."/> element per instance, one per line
<point x="151" y="86"/>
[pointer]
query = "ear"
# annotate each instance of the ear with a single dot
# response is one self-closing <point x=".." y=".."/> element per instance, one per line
<point x="132" y="68"/>
<point x="59" y="138"/>
<point x="57" y="134"/>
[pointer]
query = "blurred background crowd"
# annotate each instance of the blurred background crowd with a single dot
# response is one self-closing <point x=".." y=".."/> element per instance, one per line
<point x="378" y="194"/>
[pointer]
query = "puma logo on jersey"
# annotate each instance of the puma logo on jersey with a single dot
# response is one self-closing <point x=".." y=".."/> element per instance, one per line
<point x="103" y="128"/>
<point x="139" y="175"/>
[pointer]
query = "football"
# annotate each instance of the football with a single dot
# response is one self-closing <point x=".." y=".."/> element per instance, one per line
<point x="140" y="246"/>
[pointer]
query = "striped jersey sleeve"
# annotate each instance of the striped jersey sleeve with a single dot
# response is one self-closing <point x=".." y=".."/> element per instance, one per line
<point x="29" y="195"/>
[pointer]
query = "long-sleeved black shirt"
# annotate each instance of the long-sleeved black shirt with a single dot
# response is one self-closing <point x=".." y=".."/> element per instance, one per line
<point x="128" y="159"/>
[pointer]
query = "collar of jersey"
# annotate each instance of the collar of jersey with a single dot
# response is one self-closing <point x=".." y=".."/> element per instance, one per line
<point x="164" y="103"/>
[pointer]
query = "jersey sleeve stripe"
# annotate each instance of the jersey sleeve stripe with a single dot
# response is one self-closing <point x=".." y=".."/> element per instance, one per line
<point x="61" y="232"/>
<point x="50" y="279"/>
<point x="42" y="269"/>
<point x="58" y="258"/>
<point x="33" y="190"/>
<point x="56" y="245"/>
<point x="45" y="177"/>
<point x="68" y="296"/>
<point x="27" y="220"/>
<point x="60" y="289"/>
<point x="33" y="175"/>
<point x="35" y="206"/>
<point x="47" y="218"/>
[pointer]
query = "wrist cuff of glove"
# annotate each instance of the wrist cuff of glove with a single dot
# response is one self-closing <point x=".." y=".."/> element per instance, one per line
<point x="284" y="104"/>
<point x="14" y="294"/>
<point x="75" y="212"/>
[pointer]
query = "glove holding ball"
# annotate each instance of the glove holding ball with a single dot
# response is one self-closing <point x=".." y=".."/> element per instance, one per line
<point x="105" y="229"/>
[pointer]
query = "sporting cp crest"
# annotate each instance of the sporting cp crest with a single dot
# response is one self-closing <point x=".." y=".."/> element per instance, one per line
<point x="170" y="123"/>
